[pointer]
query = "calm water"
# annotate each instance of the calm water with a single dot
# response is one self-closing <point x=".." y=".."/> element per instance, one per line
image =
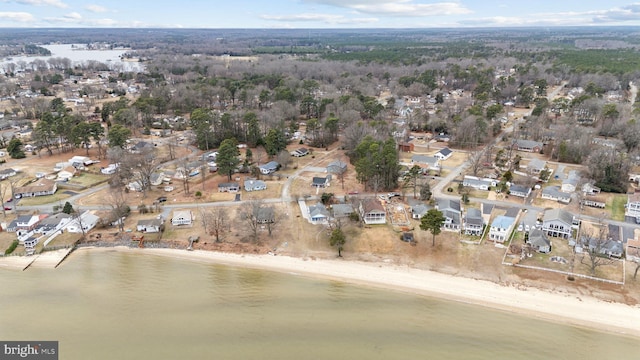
<point x="78" y="56"/>
<point x="109" y="305"/>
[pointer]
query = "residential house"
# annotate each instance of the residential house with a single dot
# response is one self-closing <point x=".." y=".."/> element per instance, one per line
<point x="156" y="178"/>
<point x="418" y="210"/>
<point x="608" y="247"/>
<point x="182" y="217"/>
<point x="300" y="152"/>
<point x="85" y="222"/>
<point x="554" y="193"/>
<point x="452" y="213"/>
<point x="5" y="173"/>
<point x="427" y="162"/>
<point x="342" y="210"/>
<point x="51" y="223"/>
<point x="254" y="185"/>
<point x="229" y="187"/>
<point x="632" y="208"/>
<point x="569" y="184"/>
<point x="66" y="174"/>
<point x="318" y="213"/>
<point x="150" y="225"/>
<point x="337" y="167"/>
<point x="477" y="183"/>
<point x="527" y="145"/>
<point x="519" y="190"/>
<point x="321" y="182"/>
<point x="269" y="168"/>
<point x="109" y="169"/>
<point x="372" y="212"/>
<point x="535" y="166"/>
<point x="266" y="215"/>
<point x="23" y="224"/>
<point x="594" y="202"/>
<point x="80" y="161"/>
<point x="444" y="154"/>
<point x="590" y="189"/>
<point x="558" y="223"/>
<point x="406" y="146"/>
<point x="538" y="240"/>
<point x="41" y="187"/>
<point x="473" y="222"/>
<point x="501" y="228"/>
<point x="134" y="186"/>
<point x="140" y="146"/>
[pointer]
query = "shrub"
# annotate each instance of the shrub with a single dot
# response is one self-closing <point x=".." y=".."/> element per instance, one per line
<point x="11" y="247"/>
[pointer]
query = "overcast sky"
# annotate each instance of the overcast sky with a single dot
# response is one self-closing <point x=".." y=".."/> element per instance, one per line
<point x="316" y="13"/>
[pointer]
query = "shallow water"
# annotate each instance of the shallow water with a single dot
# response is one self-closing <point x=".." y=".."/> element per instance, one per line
<point x="111" y="305"/>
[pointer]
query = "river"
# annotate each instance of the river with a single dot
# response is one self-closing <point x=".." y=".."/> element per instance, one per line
<point x="113" y="305"/>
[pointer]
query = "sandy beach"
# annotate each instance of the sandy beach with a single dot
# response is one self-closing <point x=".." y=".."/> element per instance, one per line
<point x="558" y="307"/>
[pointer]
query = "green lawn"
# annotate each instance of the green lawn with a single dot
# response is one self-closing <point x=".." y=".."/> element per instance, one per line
<point x="617" y="207"/>
<point x="54" y="199"/>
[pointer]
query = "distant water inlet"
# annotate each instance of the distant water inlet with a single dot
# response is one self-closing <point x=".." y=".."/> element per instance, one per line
<point x="77" y="55"/>
<point x="111" y="305"/>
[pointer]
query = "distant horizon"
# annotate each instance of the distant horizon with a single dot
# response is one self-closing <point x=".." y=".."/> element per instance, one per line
<point x="316" y="14"/>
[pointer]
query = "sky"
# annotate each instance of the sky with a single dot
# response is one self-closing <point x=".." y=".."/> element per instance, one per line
<point x="315" y="13"/>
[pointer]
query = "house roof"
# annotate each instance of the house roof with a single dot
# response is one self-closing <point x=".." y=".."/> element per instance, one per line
<point x="270" y="165"/>
<point x="228" y="184"/>
<point x="503" y="222"/>
<point x="318" y="210"/>
<point x="371" y="204"/>
<point x="150" y="222"/>
<point x="555" y="192"/>
<point x="336" y="165"/>
<point x="424" y="159"/>
<point x="40" y="185"/>
<point x="527" y="144"/>
<point x="7" y="171"/>
<point x="473" y="213"/>
<point x="340" y="210"/>
<point x="536" y="164"/>
<point x="538" y="239"/>
<point x="265" y="214"/>
<point x="519" y="189"/>
<point x="319" y="180"/>
<point x="445" y="151"/>
<point x="453" y="215"/>
<point x="448" y="204"/>
<point x="558" y="214"/>
<point x="420" y="209"/>
<point x="182" y="214"/>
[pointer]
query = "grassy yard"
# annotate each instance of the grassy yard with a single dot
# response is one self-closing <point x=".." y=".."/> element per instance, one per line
<point x="54" y="199"/>
<point x="88" y="179"/>
<point x="617" y="207"/>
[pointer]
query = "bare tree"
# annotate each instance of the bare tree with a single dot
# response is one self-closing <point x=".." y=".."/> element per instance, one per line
<point x="254" y="214"/>
<point x="593" y="245"/>
<point x="284" y="159"/>
<point x="475" y="162"/>
<point x="117" y="201"/>
<point x="215" y="222"/>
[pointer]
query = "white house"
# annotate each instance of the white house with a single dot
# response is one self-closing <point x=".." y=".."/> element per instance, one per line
<point x="477" y="183"/>
<point x="501" y="228"/>
<point x="182" y="217"/>
<point x="149" y="225"/>
<point x="254" y="185"/>
<point x="66" y="173"/>
<point x="444" y="154"/>
<point x="428" y="162"/>
<point x="84" y="223"/>
<point x="41" y="187"/>
<point x="109" y="169"/>
<point x="558" y="223"/>
<point x="372" y="212"/>
<point x="269" y="168"/>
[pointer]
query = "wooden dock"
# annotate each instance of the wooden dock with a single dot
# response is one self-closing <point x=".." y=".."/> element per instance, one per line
<point x="49" y="259"/>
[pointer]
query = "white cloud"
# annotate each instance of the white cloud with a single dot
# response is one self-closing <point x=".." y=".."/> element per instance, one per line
<point x="96" y="8"/>
<point x="398" y="8"/>
<point x="16" y="16"/>
<point x="74" y="15"/>
<point x="56" y="3"/>
<point x="325" y="18"/>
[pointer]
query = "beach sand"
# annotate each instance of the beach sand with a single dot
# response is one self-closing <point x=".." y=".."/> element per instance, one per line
<point x="557" y="307"/>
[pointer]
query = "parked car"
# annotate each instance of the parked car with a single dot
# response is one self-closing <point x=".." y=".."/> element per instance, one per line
<point x="162" y="199"/>
<point x="7" y="208"/>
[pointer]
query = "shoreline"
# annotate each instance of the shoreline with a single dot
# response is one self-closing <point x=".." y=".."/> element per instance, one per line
<point x="531" y="302"/>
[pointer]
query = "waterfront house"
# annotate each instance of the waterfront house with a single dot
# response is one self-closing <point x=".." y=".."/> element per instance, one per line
<point x="182" y="217"/>
<point x="558" y="223"/>
<point x="269" y="168"/>
<point x="538" y="240"/>
<point x="84" y="223"/>
<point x="41" y="187"/>
<point x="265" y="215"/>
<point x="318" y="213"/>
<point x="372" y="212"/>
<point x="473" y="222"/>
<point x="149" y="225"/>
<point x="452" y="214"/>
<point x="51" y="223"/>
<point x="501" y="228"/>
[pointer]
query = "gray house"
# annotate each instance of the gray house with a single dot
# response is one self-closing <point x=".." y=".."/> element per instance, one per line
<point x="539" y="241"/>
<point x="337" y="167"/>
<point x="554" y="193"/>
<point x="342" y="210"/>
<point x="149" y="225"/>
<point x="452" y="213"/>
<point x="519" y="190"/>
<point x="558" y="223"/>
<point x="254" y="185"/>
<point x="269" y="168"/>
<point x="473" y="222"/>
